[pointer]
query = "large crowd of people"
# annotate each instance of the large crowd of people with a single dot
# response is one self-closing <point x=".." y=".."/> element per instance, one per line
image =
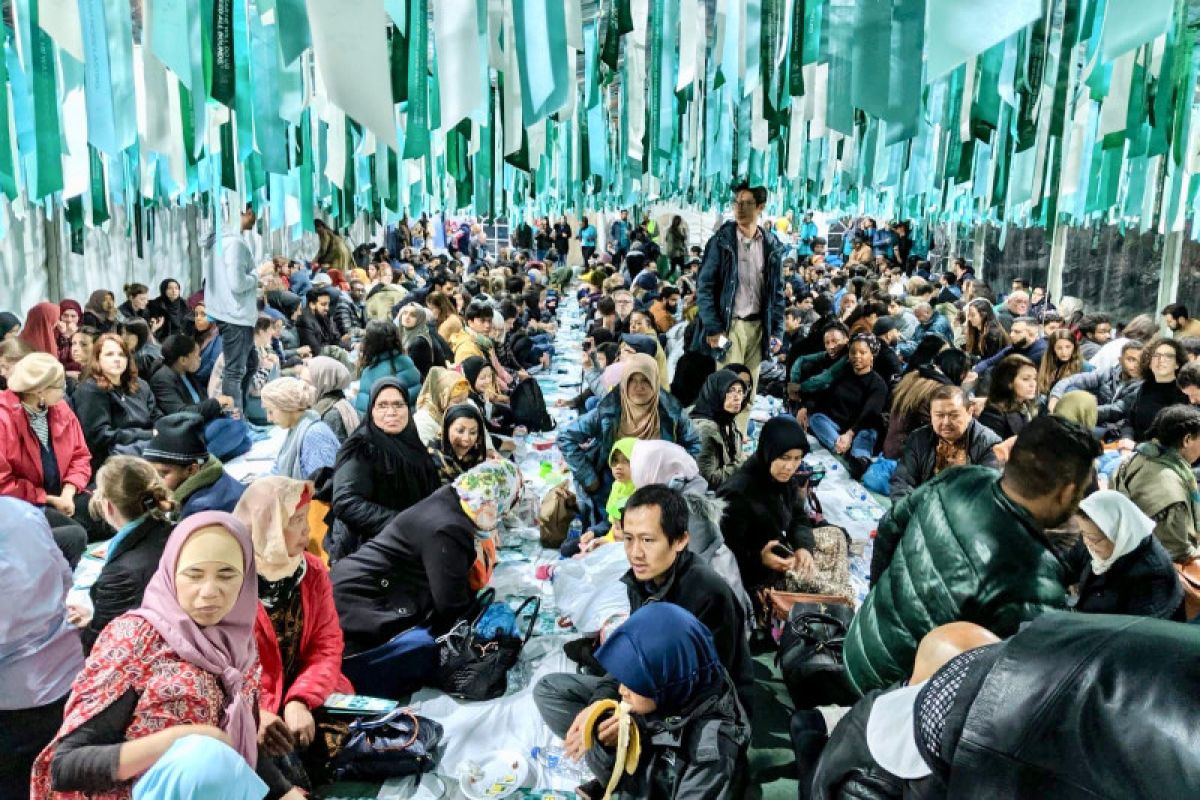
<point x="1038" y="560"/>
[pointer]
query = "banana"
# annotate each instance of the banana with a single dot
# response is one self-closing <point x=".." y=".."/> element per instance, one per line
<point x="629" y="740"/>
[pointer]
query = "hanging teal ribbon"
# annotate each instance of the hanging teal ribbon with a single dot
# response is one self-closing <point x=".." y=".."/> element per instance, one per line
<point x="416" y="140"/>
<point x="46" y="165"/>
<point x="8" y="174"/>
<point x="270" y="134"/>
<point x="541" y="40"/>
<point x="294" y="36"/>
<point x="97" y="191"/>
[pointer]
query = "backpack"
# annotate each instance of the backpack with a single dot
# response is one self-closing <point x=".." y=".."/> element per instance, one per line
<point x="529" y="407"/>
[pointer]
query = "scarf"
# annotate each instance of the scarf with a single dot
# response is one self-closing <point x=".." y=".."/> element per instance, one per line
<point x="710" y="405"/>
<point x="1170" y="459"/>
<point x="660" y="462"/>
<point x="397" y="454"/>
<point x="39" y="423"/>
<point x="269" y="508"/>
<point x="39" y="330"/>
<point x="418" y="331"/>
<point x="1080" y="408"/>
<point x="639" y="421"/>
<point x="949" y="454"/>
<point x="121" y="535"/>
<point x="779" y="435"/>
<point x="492" y="482"/>
<point x="95" y="305"/>
<point x="225" y="649"/>
<point x="451" y="465"/>
<point x="440" y="386"/>
<point x="331" y="378"/>
<point x="287" y="463"/>
<point x="1121" y="522"/>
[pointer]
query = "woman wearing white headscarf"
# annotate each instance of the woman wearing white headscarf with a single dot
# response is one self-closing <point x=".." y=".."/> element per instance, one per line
<point x="331" y="379"/>
<point x="1123" y="569"/>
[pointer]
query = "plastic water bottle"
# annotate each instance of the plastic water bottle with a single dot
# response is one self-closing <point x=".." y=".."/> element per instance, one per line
<point x="521" y="439"/>
<point x="575" y="531"/>
<point x="557" y="769"/>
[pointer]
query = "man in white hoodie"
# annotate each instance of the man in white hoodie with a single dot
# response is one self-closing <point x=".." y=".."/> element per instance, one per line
<point x="230" y="297"/>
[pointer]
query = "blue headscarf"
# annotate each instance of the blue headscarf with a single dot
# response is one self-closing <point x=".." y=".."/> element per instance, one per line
<point x="664" y="653"/>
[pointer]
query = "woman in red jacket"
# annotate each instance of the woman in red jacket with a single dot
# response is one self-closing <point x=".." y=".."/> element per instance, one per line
<point x="297" y="630"/>
<point x="44" y="459"/>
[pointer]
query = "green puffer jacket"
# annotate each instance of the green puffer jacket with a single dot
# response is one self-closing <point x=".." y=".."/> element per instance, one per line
<point x="956" y="549"/>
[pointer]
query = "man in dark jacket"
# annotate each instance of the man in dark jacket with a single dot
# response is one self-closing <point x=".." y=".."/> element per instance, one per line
<point x="180" y="456"/>
<point x="969" y="546"/>
<point x="988" y="722"/>
<point x="315" y="327"/>
<point x="740" y="290"/>
<point x="1026" y="341"/>
<point x="661" y="570"/>
<point x="887" y="363"/>
<point x="951" y="438"/>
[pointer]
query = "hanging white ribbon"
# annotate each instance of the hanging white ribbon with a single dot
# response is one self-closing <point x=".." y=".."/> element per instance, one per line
<point x="456" y="37"/>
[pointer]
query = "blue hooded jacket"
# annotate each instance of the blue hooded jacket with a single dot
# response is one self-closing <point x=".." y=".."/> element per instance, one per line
<point x="664" y="653"/>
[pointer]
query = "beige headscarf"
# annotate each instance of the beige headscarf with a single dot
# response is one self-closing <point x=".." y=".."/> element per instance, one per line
<point x="329" y="375"/>
<point x="639" y="421"/>
<point x="267" y="507"/>
<point x="289" y="394"/>
<point x="441" y="385"/>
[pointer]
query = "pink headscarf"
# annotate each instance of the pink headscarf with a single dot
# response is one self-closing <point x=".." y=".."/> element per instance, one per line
<point x="226" y="649"/>
<point x="38" y="332"/>
<point x="657" y="461"/>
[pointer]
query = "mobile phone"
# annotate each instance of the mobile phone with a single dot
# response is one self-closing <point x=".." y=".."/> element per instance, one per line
<point x="782" y="550"/>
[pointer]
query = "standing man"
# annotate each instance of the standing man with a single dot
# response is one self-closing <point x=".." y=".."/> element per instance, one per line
<point x="740" y="290"/>
<point x="230" y="295"/>
<point x="619" y="234"/>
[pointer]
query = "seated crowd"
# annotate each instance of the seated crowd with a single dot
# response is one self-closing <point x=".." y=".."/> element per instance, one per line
<point x="1036" y="463"/>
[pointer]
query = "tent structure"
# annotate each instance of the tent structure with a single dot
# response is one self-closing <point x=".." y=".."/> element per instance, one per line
<point x="150" y="119"/>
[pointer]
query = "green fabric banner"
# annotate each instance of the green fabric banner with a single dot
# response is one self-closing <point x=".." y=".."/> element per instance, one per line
<point x="416" y="135"/>
<point x="224" y="80"/>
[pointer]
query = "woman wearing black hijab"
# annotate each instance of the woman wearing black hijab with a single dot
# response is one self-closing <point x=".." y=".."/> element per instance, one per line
<point x="721" y="399"/>
<point x="482" y="378"/>
<point x="171" y="306"/>
<point x="381" y="469"/>
<point x="463" y="443"/>
<point x="764" y="512"/>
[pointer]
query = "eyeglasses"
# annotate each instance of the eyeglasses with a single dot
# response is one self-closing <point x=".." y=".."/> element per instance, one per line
<point x="745" y="204"/>
<point x="1163" y="357"/>
<point x="385" y="407"/>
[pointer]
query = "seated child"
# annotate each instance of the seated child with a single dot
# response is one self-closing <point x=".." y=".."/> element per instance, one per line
<point x="622" y="490"/>
<point x="692" y="731"/>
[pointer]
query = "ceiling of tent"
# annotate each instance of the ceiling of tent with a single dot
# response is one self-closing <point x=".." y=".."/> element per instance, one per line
<point x="1010" y="111"/>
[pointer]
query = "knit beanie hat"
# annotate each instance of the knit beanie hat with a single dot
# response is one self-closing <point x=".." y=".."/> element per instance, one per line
<point x="35" y="372"/>
<point x="178" y="439"/>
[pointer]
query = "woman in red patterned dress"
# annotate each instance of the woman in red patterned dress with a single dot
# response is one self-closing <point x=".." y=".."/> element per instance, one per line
<point x="166" y="705"/>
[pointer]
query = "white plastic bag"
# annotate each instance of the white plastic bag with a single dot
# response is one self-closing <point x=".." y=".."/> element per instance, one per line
<point x="589" y="591"/>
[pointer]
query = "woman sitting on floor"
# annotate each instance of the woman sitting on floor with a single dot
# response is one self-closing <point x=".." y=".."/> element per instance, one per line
<point x="297" y="631"/>
<point x="766" y="524"/>
<point x="331" y="378"/>
<point x="134" y="501"/>
<point x="310" y="446"/>
<point x="382" y="469"/>
<point x="463" y="445"/>
<point x="418" y="572"/>
<point x="442" y="389"/>
<point x="167" y="697"/>
<point x="43" y="457"/>
<point x="1012" y="397"/>
<point x="116" y="408"/>
<point x="714" y="415"/>
<point x="382" y="355"/>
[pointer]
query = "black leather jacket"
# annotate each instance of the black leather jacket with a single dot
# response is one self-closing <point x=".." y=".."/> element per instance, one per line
<point x="917" y="463"/>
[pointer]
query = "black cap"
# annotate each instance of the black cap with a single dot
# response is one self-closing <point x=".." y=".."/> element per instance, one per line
<point x="884" y="325"/>
<point x="178" y="439"/>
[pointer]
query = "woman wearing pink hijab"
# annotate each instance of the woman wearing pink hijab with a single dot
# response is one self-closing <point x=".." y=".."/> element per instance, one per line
<point x="166" y="704"/>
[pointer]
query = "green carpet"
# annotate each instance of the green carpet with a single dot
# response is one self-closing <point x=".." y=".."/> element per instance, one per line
<point x="772" y="761"/>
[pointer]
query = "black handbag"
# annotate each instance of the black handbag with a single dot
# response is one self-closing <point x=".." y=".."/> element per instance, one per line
<point x="810" y="655"/>
<point x="475" y="667"/>
<point x="393" y="745"/>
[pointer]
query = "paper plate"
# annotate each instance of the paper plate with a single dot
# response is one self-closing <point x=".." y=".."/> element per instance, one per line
<point x="499" y="775"/>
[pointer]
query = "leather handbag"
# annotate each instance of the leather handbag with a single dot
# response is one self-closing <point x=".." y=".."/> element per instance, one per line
<point x="1189" y="577"/>
<point x="810" y="653"/>
<point x="391" y="745"/>
<point x="780" y="603"/>
<point x="559" y="507"/>
<point x="475" y="665"/>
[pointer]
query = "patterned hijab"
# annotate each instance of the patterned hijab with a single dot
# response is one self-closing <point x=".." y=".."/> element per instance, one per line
<point x="225" y="649"/>
<point x="495" y="482"/>
<point x="639" y="421"/>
